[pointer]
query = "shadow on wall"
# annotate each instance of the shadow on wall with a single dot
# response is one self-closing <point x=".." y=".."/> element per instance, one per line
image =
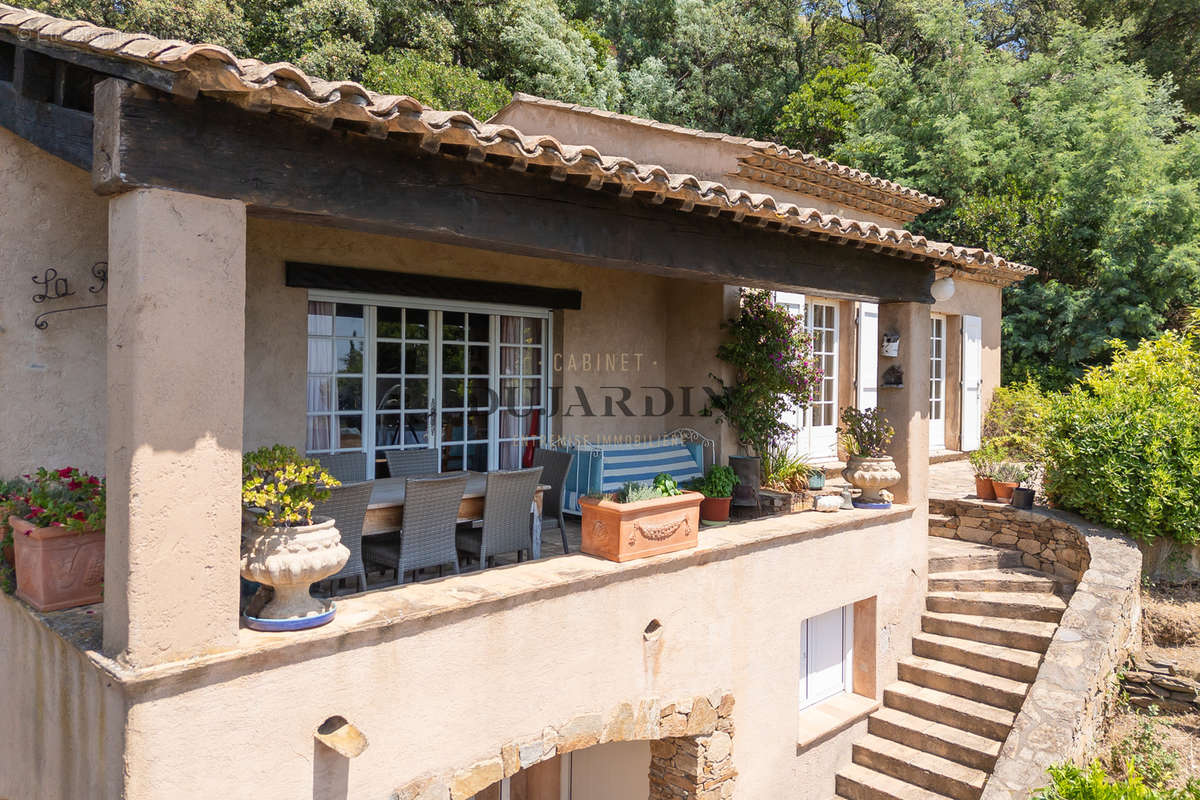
<point x="331" y="774"/>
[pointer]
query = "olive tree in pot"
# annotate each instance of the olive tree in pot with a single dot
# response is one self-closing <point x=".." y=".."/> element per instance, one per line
<point x="717" y="487"/>
<point x="283" y="545"/>
<point x="865" y="435"/>
<point x="774" y="375"/>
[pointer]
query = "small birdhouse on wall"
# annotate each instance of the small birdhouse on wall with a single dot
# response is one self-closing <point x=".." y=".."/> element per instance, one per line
<point x="890" y="347"/>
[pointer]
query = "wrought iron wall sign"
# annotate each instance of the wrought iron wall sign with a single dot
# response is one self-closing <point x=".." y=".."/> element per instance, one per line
<point x="54" y="287"/>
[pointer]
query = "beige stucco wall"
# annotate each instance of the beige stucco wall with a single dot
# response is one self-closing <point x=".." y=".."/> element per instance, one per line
<point x="980" y="300"/>
<point x="62" y="735"/>
<point x="54" y="407"/>
<point x="710" y="157"/>
<point x="440" y="695"/>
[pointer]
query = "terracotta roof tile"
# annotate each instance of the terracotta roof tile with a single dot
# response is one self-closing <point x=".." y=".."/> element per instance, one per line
<point x="214" y="70"/>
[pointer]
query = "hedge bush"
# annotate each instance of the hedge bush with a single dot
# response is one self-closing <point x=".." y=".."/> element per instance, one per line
<point x="1123" y="445"/>
<point x="1016" y="421"/>
<point x="1072" y="783"/>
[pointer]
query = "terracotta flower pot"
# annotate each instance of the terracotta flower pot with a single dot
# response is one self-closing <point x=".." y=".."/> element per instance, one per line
<point x="625" y="531"/>
<point x="56" y="567"/>
<point x="6" y="553"/>
<point x="715" y="510"/>
<point x="1004" y="490"/>
<point x="872" y="475"/>
<point x="984" y="489"/>
<point x="290" y="559"/>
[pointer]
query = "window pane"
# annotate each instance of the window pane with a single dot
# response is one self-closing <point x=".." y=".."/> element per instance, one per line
<point x="453" y="426"/>
<point x="416" y="359"/>
<point x="532" y="330"/>
<point x="349" y="431"/>
<point x="479" y="327"/>
<point x="320" y="398"/>
<point x="533" y="361"/>
<point x="350" y="356"/>
<point x="510" y="392"/>
<point x="532" y="396"/>
<point x="452" y="458"/>
<point x="510" y="455"/>
<point x="477" y="457"/>
<point x="318" y="433"/>
<point x="453" y="359"/>
<point x="416" y="428"/>
<point x="389" y="358"/>
<point x="513" y="424"/>
<point x="477" y="425"/>
<point x="416" y="323"/>
<point x="416" y="393"/>
<point x="320" y="318"/>
<point x="320" y="355"/>
<point x="477" y="393"/>
<point x="453" y="393"/>
<point x="349" y="321"/>
<point x="510" y="361"/>
<point x="389" y="430"/>
<point x="478" y="361"/>
<point x="454" y="325"/>
<point x="389" y="394"/>
<point x="389" y="322"/>
<point x="510" y="330"/>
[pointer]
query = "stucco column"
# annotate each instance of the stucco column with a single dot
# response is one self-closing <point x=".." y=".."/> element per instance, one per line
<point x="907" y="408"/>
<point x="176" y="345"/>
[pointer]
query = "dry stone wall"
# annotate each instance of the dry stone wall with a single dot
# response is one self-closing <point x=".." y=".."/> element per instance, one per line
<point x="1152" y="683"/>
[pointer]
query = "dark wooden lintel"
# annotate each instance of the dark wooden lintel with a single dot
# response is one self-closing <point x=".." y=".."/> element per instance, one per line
<point x="62" y="132"/>
<point x="162" y="79"/>
<point x="284" y="168"/>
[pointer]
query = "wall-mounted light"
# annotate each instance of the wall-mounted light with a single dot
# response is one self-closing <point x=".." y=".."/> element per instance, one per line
<point x="942" y="289"/>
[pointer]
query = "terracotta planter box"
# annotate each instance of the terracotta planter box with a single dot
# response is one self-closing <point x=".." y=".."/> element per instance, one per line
<point x="57" y="568"/>
<point x="625" y="531"/>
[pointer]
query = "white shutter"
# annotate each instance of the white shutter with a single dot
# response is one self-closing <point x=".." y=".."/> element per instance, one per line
<point x="972" y="382"/>
<point x="868" y="356"/>
<point x="796" y="303"/>
<point x="825" y="656"/>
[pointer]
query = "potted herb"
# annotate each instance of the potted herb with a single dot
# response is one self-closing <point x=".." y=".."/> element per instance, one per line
<point x="1007" y="477"/>
<point x="774" y="374"/>
<point x="717" y="488"/>
<point x="640" y="520"/>
<point x="283" y="545"/>
<point x="865" y="435"/>
<point x="983" y="463"/>
<point x="57" y="521"/>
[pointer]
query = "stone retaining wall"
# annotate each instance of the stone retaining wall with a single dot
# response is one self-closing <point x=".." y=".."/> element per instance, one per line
<point x="1151" y="683"/>
<point x="1101" y="627"/>
<point x="1048" y="543"/>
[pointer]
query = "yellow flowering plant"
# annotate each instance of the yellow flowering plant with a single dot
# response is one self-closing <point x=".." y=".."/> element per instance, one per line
<point x="281" y="488"/>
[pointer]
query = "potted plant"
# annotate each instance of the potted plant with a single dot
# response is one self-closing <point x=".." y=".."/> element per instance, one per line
<point x="10" y="491"/>
<point x="774" y="375"/>
<point x="983" y="463"/>
<point x="1007" y="477"/>
<point x="283" y="545"/>
<point x="865" y="436"/>
<point x="57" y="525"/>
<point x="1023" y="496"/>
<point x="640" y="520"/>
<point x="816" y="478"/>
<point x="717" y="488"/>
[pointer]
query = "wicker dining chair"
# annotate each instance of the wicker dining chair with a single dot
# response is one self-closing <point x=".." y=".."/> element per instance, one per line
<point x="555" y="465"/>
<point x="507" y="517"/>
<point x="402" y="463"/>
<point x="346" y="467"/>
<point x="427" y="538"/>
<point x="347" y="504"/>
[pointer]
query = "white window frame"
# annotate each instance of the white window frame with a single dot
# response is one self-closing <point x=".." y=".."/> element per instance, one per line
<point x="371" y="301"/>
<point x="847" y="664"/>
<point x="937" y="379"/>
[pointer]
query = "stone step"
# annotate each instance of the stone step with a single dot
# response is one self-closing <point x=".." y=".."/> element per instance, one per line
<point x="859" y="783"/>
<point x="923" y="769"/>
<point x="953" y="555"/>
<point x="1008" y="662"/>
<point x="964" y="682"/>
<point x="994" y="580"/>
<point x="1041" y="607"/>
<point x="948" y="709"/>
<point x="963" y="747"/>
<point x="1016" y="633"/>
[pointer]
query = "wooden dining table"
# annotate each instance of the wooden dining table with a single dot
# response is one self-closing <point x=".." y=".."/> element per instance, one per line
<point x="385" y="512"/>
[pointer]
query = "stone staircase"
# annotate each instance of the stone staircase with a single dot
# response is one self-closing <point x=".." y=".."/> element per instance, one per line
<point x="987" y="624"/>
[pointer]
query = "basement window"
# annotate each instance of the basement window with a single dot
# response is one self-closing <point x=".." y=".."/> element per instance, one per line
<point x="827" y="656"/>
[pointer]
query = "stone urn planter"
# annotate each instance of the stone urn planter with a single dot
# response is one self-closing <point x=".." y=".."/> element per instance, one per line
<point x="625" y="531"/>
<point x="57" y="567"/>
<point x="290" y="559"/>
<point x="872" y="475"/>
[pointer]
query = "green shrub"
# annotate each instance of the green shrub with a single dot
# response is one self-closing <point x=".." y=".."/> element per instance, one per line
<point x="717" y="482"/>
<point x="1072" y="783"/>
<point x="783" y="468"/>
<point x="633" y="492"/>
<point x="1144" y="753"/>
<point x="865" y="433"/>
<point x="1016" y="421"/>
<point x="1123" y="446"/>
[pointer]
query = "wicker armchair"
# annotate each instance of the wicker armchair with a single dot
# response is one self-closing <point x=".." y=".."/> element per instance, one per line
<point x="402" y="463"/>
<point x="507" y="519"/>
<point x="555" y="465"/>
<point x="427" y="539"/>
<point x="346" y="467"/>
<point x="348" y="506"/>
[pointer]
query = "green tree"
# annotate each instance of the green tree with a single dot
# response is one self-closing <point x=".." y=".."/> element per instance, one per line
<point x="434" y="84"/>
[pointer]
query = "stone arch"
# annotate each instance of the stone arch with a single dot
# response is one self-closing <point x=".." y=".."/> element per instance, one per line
<point x="691" y="750"/>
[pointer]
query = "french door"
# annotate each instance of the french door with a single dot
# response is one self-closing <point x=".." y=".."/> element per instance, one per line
<point x="972" y="382"/>
<point x="816" y="426"/>
<point x="937" y="382"/>
<point x="465" y="379"/>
